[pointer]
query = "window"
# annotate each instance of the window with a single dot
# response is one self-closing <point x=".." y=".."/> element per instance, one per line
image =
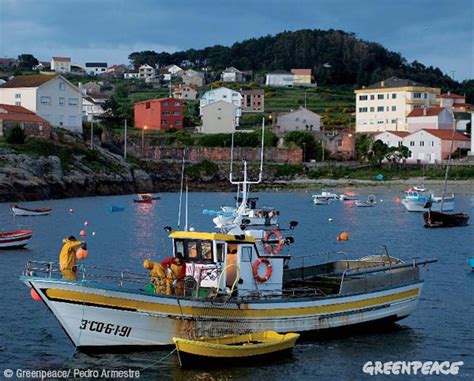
<point x="18" y="103"/>
<point x="394" y="96"/>
<point x="147" y="105"/>
<point x="372" y="109"/>
<point x="18" y="96"/>
<point x="362" y="109"/>
<point x="220" y="252"/>
<point x="165" y="112"/>
<point x="61" y="120"/>
<point x="380" y="109"/>
<point x="339" y="143"/>
<point x="432" y="144"/>
<point x="164" y="121"/>
<point x="176" y="113"/>
<point x="165" y="103"/>
<point x="394" y="108"/>
<point x="362" y="97"/>
<point x="422" y="144"/>
<point x="206" y="250"/>
<point x="246" y="253"/>
<point x="45" y="100"/>
<point x="424" y="95"/>
<point x="380" y="96"/>
<point x="73" y="101"/>
<point x="379" y="121"/>
<point x="177" y="103"/>
<point x="62" y="101"/>
<point x="62" y="86"/>
<point x="179" y="247"/>
<point x="417" y="95"/>
<point x="394" y="121"/>
<point x="192" y="250"/>
<point x="372" y="97"/>
<point x="178" y="123"/>
<point x="400" y="143"/>
<point x="412" y="143"/>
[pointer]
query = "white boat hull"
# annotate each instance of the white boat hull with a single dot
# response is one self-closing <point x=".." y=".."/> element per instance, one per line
<point x="416" y="206"/>
<point x="95" y="317"/>
<point x="24" y="212"/>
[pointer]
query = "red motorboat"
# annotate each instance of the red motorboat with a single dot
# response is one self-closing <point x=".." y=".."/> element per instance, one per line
<point x="15" y="239"/>
<point x="143" y="199"/>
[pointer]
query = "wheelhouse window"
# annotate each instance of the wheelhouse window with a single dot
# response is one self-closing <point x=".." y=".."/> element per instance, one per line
<point x="195" y="250"/>
<point x="246" y="253"/>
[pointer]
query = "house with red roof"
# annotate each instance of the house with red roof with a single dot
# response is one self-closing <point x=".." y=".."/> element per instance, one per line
<point x="392" y="138"/>
<point x="61" y="64"/>
<point x="438" y="118"/>
<point x="454" y="102"/>
<point x="301" y="77"/>
<point x="52" y="97"/>
<point x="433" y="145"/>
<point x="32" y="124"/>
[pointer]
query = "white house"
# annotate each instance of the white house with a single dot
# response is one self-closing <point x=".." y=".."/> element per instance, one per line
<point x="61" y="64"/>
<point x="131" y="74"/>
<point x="231" y="74"/>
<point x="222" y="94"/>
<point x="392" y="138"/>
<point x="384" y="105"/>
<point x="218" y="118"/>
<point x="301" y="119"/>
<point x="52" y="97"/>
<point x="432" y="146"/>
<point x="146" y="72"/>
<point x="173" y="69"/>
<point x="93" y="106"/>
<point x="280" y="78"/>
<point x="96" y="68"/>
<point x="437" y="118"/>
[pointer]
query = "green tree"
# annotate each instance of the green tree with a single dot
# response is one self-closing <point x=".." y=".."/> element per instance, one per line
<point x="306" y="141"/>
<point x="27" y="61"/>
<point x="15" y="135"/>
<point x="397" y="154"/>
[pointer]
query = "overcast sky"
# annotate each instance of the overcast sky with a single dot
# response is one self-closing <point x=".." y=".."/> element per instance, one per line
<point x="438" y="33"/>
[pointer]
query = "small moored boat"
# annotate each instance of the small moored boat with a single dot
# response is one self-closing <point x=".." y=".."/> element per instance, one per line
<point x="234" y="346"/>
<point x="321" y="200"/>
<point x="370" y="202"/>
<point x="445" y="220"/>
<point x="143" y="199"/>
<point x="348" y="197"/>
<point x="21" y="211"/>
<point x="15" y="239"/>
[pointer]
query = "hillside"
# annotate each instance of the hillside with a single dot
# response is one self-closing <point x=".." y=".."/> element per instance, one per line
<point x="335" y="56"/>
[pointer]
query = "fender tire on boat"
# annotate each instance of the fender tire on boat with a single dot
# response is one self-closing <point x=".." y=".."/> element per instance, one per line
<point x="268" y="248"/>
<point x="255" y="267"/>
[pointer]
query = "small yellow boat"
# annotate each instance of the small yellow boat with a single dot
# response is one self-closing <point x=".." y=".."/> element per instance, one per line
<point x="235" y="347"/>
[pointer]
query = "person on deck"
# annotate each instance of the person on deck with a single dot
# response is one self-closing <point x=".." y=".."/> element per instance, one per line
<point x="67" y="257"/>
<point x="175" y="272"/>
<point x="157" y="275"/>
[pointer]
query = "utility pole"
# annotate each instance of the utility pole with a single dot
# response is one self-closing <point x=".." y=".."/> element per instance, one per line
<point x="143" y="141"/>
<point x="305" y="99"/>
<point x="92" y="133"/>
<point x="125" y="141"/>
<point x="322" y="145"/>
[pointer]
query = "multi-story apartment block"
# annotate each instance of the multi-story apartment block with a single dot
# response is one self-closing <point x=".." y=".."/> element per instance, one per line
<point x="222" y="94"/>
<point x="52" y="97"/>
<point x="146" y="72"/>
<point x="385" y="105"/>
<point x="159" y="114"/>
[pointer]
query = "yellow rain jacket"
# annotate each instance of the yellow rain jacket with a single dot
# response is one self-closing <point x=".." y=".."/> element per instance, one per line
<point x="67" y="259"/>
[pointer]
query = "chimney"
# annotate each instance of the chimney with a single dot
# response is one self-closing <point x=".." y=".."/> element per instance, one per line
<point x="382" y="83"/>
<point x="424" y="110"/>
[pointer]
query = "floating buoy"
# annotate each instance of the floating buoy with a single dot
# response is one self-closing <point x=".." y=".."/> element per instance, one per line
<point x="397" y="200"/>
<point x="344" y="236"/>
<point x="71" y="210"/>
<point x="93" y="233"/>
<point x="82" y="233"/>
<point x="330" y="219"/>
<point x="86" y="223"/>
<point x="338" y="238"/>
<point x="381" y="200"/>
<point x="35" y="296"/>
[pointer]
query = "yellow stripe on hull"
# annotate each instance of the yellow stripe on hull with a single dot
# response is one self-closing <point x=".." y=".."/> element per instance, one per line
<point x="245" y="310"/>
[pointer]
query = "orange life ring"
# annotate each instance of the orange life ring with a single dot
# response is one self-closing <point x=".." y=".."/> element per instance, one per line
<point x="269" y="248"/>
<point x="268" y="274"/>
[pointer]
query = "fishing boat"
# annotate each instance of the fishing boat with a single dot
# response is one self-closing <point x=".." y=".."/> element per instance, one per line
<point x="321" y="200"/>
<point x="445" y="220"/>
<point x="143" y="199"/>
<point x="415" y="201"/>
<point x="363" y="204"/>
<point x="326" y="194"/>
<point x="15" y="239"/>
<point x="21" y="211"/>
<point x="348" y="197"/>
<point x="233" y="347"/>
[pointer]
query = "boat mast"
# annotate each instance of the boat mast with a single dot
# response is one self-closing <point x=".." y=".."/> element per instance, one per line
<point x="447" y="164"/>
<point x="181" y="188"/>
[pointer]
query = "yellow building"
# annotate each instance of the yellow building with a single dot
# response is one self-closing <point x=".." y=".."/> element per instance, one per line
<point x="384" y="106"/>
<point x="301" y="76"/>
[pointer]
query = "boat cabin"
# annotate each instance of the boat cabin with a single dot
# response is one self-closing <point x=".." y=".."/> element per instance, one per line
<point x="228" y="262"/>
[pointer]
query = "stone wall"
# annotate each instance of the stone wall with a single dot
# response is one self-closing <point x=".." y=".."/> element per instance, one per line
<point x="271" y="155"/>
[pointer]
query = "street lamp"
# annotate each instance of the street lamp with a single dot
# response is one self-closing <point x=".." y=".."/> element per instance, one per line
<point x="143" y="140"/>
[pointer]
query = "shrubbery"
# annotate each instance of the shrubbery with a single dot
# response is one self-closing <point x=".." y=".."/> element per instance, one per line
<point x="15" y="135"/>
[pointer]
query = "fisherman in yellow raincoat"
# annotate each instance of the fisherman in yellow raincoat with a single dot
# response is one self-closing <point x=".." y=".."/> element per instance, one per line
<point x="157" y="275"/>
<point x="67" y="257"/>
<point x="168" y="275"/>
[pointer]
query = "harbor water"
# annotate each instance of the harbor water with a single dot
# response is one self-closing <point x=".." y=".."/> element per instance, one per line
<point x="440" y="329"/>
